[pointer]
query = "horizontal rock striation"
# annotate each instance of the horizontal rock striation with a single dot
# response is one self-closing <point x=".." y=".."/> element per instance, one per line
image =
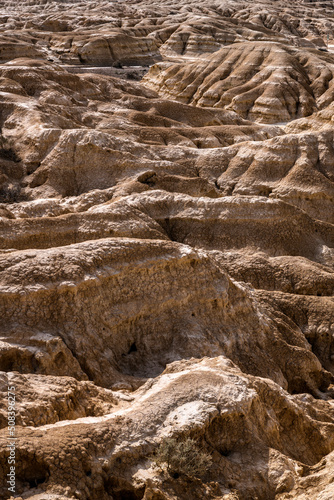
<point x="167" y="247"/>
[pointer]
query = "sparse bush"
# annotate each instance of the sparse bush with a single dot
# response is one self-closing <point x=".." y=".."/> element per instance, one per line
<point x="182" y="457"/>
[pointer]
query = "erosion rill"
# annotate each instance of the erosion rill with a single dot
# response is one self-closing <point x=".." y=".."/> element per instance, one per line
<point x="166" y="249"/>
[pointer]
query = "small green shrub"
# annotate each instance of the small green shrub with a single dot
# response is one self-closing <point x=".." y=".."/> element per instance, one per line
<point x="182" y="457"/>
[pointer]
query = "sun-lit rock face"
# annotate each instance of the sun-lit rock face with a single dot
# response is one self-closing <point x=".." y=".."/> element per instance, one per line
<point x="167" y="246"/>
<point x="261" y="81"/>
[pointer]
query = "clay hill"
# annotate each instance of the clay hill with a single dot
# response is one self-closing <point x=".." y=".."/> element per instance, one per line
<point x="167" y="247"/>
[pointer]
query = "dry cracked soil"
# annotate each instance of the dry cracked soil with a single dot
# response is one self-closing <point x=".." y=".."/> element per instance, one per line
<point x="167" y="247"/>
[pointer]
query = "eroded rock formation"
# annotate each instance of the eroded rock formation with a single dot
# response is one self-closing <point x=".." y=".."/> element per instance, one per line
<point x="167" y="246"/>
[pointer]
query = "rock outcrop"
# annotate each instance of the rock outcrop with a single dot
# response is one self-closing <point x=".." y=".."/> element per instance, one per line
<point x="167" y="247"/>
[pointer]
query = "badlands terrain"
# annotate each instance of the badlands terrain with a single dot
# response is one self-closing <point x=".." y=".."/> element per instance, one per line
<point x="167" y="246"/>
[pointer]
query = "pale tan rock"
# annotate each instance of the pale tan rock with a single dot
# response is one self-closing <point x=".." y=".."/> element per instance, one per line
<point x="259" y="81"/>
<point x="60" y="397"/>
<point x="166" y="249"/>
<point x="240" y="417"/>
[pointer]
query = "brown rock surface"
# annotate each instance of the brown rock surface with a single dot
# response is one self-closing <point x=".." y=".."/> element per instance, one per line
<point x="167" y="247"/>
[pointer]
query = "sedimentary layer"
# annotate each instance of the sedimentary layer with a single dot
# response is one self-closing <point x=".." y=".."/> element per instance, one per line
<point x="167" y="247"/>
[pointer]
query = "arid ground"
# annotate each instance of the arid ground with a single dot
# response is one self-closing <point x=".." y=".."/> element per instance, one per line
<point x="167" y="247"/>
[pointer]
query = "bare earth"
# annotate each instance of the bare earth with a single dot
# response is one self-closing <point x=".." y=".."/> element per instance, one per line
<point x="167" y="246"/>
